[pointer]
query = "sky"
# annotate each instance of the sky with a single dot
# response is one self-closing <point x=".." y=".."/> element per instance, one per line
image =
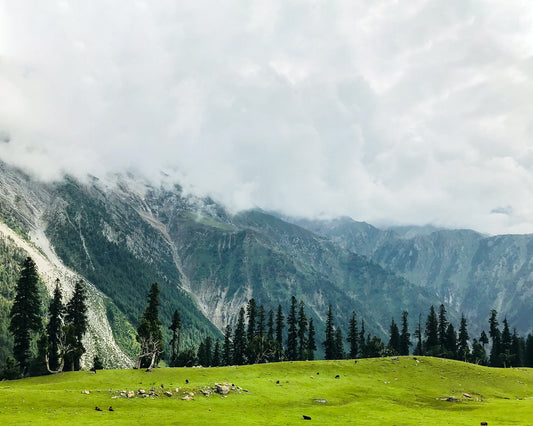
<point x="390" y="112"/>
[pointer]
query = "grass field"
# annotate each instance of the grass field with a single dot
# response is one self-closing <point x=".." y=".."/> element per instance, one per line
<point x="385" y="391"/>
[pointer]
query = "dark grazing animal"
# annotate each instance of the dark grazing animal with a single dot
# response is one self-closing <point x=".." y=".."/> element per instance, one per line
<point x="306" y="417"/>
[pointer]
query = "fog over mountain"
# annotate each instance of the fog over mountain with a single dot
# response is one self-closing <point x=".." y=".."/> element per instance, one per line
<point x="385" y="111"/>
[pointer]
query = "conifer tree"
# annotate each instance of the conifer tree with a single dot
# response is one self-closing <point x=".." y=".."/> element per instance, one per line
<point x="339" y="346"/>
<point x="478" y="356"/>
<point x="451" y="342"/>
<point x="419" y="348"/>
<point x="25" y="314"/>
<point x="251" y="315"/>
<point x="149" y="333"/>
<point x="55" y="332"/>
<point x="261" y="316"/>
<point x="442" y="327"/>
<point x="280" y="325"/>
<point x="405" y="336"/>
<point x="495" y="335"/>
<point x="518" y="346"/>
<point x="270" y="326"/>
<point x="483" y="339"/>
<point x="394" y="342"/>
<point x="330" y="346"/>
<point x="432" y="333"/>
<point x="239" y="341"/>
<point x="528" y="352"/>
<point x="292" y="335"/>
<point x="175" y="327"/>
<point x="507" y="358"/>
<point x="362" y="340"/>
<point x="311" y="343"/>
<point x="216" y="355"/>
<point x="463" y="350"/>
<point x="227" y="356"/>
<point x="353" y="337"/>
<point x="302" y="333"/>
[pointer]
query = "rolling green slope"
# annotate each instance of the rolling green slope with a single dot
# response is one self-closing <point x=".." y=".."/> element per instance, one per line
<point x="385" y="391"/>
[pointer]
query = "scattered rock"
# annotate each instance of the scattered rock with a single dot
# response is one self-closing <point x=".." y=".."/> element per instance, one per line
<point x="206" y="392"/>
<point x="321" y="401"/>
<point x="222" y="388"/>
<point x="141" y="391"/>
<point x="245" y="390"/>
<point x="466" y="395"/>
<point x="111" y="408"/>
<point x="312" y="377"/>
<point x="131" y="394"/>
<point x="187" y="398"/>
<point x="168" y="393"/>
<point x="449" y="399"/>
<point x="85" y="392"/>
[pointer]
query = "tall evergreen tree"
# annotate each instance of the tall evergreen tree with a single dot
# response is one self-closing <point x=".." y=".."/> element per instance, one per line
<point x="270" y="325"/>
<point x="483" y="338"/>
<point x="506" y="356"/>
<point x="54" y="329"/>
<point x="442" y="327"/>
<point x="302" y="333"/>
<point x="518" y="347"/>
<point x="311" y="342"/>
<point x="451" y="342"/>
<point x="261" y="317"/>
<point x="216" y="355"/>
<point x="227" y="355"/>
<point x="394" y="341"/>
<point x="292" y="335"/>
<point x="479" y="355"/>
<point x="405" y="336"/>
<point x="330" y="346"/>
<point x="419" y="348"/>
<point x="528" y="351"/>
<point x="353" y="336"/>
<point x="463" y="350"/>
<point x="339" y="346"/>
<point x="280" y="325"/>
<point x="25" y="314"/>
<point x="175" y="327"/>
<point x="251" y="315"/>
<point x="239" y="341"/>
<point x="149" y="333"/>
<point x="362" y="340"/>
<point x="432" y="333"/>
<point x="495" y="335"/>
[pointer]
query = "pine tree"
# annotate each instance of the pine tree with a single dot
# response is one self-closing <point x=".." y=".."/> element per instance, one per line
<point x="76" y="317"/>
<point x="251" y="315"/>
<point x="239" y="341"/>
<point x="518" y="348"/>
<point x="261" y="317"/>
<point x="149" y="333"/>
<point x="419" y="349"/>
<point x="463" y="350"/>
<point x="270" y="325"/>
<point x="25" y="314"/>
<point x="478" y="356"/>
<point x="54" y="329"/>
<point x="451" y="342"/>
<point x="405" y="336"/>
<point x="175" y="327"/>
<point x="216" y="355"/>
<point x="506" y="356"/>
<point x="495" y="335"/>
<point x="302" y="333"/>
<point x="330" y="344"/>
<point x="432" y="333"/>
<point x="394" y="342"/>
<point x="528" y="352"/>
<point x="280" y="325"/>
<point x="362" y="341"/>
<point x="353" y="336"/>
<point x="227" y="355"/>
<point x="442" y="327"/>
<point x="292" y="335"/>
<point x="339" y="346"/>
<point x="311" y="343"/>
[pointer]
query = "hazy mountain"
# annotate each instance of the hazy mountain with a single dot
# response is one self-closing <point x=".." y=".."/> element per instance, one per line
<point x="469" y="271"/>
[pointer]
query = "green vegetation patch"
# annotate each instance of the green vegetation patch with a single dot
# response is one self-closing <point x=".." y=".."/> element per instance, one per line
<point x="388" y="391"/>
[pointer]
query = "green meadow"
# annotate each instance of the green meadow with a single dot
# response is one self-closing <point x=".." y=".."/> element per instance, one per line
<point x="383" y="391"/>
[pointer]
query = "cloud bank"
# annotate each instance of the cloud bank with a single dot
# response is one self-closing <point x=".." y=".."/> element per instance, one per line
<point x="389" y="112"/>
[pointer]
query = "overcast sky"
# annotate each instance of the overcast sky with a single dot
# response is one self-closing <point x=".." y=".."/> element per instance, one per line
<point x="407" y="112"/>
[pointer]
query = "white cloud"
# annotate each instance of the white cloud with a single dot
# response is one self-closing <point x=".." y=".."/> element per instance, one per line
<point x="411" y="112"/>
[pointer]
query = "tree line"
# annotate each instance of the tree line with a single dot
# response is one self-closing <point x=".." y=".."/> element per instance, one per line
<point x="52" y="342"/>
<point x="45" y="343"/>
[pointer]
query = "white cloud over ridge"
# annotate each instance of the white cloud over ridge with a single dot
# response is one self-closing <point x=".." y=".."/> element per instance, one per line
<point x="386" y="111"/>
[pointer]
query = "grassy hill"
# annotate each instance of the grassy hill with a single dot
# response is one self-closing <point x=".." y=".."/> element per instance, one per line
<point x="388" y="391"/>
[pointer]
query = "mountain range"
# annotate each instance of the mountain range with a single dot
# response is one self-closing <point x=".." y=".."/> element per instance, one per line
<point x="122" y="234"/>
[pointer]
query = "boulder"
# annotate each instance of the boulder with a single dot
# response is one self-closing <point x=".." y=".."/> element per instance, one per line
<point x="222" y="388"/>
<point x="168" y="393"/>
<point x="131" y="394"/>
<point x="85" y="392"/>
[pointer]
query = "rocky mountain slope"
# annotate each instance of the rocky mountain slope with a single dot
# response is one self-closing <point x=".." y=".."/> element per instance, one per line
<point x="467" y="270"/>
